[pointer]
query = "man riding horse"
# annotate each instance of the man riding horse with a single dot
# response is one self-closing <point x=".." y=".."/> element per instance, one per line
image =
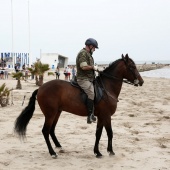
<point x="86" y="75"/>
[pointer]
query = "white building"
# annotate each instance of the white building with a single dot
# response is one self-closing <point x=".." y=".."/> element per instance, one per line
<point x="10" y="59"/>
<point x="54" y="60"/>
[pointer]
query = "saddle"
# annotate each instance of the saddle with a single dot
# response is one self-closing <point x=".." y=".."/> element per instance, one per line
<point x="97" y="89"/>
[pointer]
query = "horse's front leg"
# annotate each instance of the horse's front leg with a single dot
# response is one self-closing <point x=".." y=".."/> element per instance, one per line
<point x="109" y="131"/>
<point x="98" y="136"/>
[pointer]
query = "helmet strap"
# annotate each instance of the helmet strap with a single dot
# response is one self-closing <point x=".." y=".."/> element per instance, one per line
<point x="91" y="50"/>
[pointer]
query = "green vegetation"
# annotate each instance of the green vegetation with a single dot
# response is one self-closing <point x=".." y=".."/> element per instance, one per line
<point x="18" y="77"/>
<point x="4" y="95"/>
<point x="38" y="70"/>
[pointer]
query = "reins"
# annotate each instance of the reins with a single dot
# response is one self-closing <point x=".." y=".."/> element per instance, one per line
<point x="113" y="77"/>
<point x="106" y="91"/>
<point x="109" y="76"/>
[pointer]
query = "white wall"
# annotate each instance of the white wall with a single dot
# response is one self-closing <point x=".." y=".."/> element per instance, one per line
<point x="53" y="60"/>
<point x="49" y="58"/>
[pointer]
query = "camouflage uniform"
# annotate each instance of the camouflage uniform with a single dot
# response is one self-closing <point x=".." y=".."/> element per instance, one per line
<point x="85" y="77"/>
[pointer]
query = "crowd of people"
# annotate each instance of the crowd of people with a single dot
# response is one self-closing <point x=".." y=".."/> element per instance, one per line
<point x="70" y="73"/>
<point x="24" y="70"/>
<point x="4" y="71"/>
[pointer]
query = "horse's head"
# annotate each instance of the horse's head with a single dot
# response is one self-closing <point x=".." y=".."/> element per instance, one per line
<point x="131" y="74"/>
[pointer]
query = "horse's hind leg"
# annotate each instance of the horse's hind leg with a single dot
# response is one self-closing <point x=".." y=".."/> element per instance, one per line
<point x="46" y="131"/>
<point x="52" y="131"/>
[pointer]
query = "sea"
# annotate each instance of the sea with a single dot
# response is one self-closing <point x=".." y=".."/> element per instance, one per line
<point x="158" y="73"/>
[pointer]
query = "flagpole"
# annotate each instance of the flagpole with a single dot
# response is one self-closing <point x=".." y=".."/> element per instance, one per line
<point x="12" y="55"/>
<point x="30" y="56"/>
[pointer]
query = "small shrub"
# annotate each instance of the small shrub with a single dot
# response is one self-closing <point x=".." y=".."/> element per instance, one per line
<point x="4" y="95"/>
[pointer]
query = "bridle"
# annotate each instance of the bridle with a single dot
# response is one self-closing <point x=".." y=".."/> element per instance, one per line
<point x="130" y="67"/>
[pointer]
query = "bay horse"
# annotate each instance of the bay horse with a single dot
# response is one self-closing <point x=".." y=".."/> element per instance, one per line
<point x="58" y="95"/>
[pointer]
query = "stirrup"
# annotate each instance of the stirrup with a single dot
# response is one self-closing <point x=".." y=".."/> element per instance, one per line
<point x="93" y="117"/>
<point x="88" y="120"/>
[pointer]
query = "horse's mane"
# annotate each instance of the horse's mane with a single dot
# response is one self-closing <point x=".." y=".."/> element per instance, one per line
<point x="111" y="66"/>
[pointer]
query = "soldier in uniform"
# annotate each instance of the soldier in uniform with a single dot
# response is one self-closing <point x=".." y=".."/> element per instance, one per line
<point x="85" y="74"/>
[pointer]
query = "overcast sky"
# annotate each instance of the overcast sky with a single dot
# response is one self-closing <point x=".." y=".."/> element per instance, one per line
<point x="140" y="28"/>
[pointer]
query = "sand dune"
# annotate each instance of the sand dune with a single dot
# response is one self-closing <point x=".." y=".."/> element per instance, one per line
<point x="140" y="125"/>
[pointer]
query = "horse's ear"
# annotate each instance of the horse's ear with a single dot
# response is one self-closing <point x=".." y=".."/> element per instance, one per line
<point x="122" y="56"/>
<point x="126" y="57"/>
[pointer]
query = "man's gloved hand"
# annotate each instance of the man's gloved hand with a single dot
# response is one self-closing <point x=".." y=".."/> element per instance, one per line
<point x="100" y="69"/>
<point x="95" y="67"/>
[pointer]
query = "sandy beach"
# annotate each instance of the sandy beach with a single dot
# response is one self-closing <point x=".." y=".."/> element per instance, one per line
<point x="140" y="125"/>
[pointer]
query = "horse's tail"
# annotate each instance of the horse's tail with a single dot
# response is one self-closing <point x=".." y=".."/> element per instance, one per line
<point x="23" y="119"/>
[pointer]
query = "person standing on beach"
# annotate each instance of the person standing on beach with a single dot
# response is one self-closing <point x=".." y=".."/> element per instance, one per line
<point x="1" y="73"/>
<point x="6" y="73"/>
<point x="57" y="72"/>
<point x="73" y="70"/>
<point x="69" y="72"/>
<point x="16" y="68"/>
<point x="86" y="75"/>
<point x="23" y="67"/>
<point x="32" y="74"/>
<point x="66" y="73"/>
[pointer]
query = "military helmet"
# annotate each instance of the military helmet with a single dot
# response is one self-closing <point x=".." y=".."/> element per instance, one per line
<point x="91" y="41"/>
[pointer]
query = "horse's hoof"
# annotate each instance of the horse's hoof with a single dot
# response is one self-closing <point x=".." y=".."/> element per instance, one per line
<point x="61" y="150"/>
<point x="99" y="155"/>
<point x="111" y="153"/>
<point x="54" y="156"/>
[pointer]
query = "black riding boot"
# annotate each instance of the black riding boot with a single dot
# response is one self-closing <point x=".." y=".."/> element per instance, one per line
<point x="90" y="108"/>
